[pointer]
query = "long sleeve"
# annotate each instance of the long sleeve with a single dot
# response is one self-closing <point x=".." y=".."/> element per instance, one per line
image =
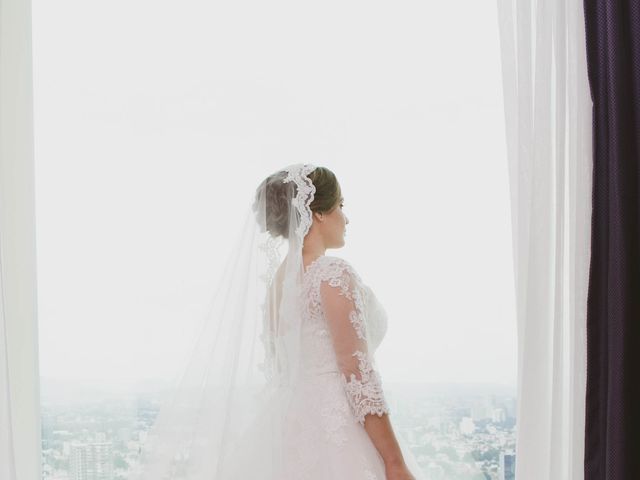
<point x="342" y="302"/>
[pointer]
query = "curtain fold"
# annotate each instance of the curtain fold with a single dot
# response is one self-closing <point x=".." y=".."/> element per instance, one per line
<point x="7" y="454"/>
<point x="20" y="436"/>
<point x="547" y="122"/>
<point x="613" y="321"/>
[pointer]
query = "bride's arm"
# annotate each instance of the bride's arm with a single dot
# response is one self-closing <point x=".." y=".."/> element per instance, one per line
<point x="381" y="433"/>
<point x="342" y="302"/>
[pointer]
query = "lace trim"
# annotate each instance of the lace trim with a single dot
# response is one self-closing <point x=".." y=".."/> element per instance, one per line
<point x="270" y="247"/>
<point x="365" y="395"/>
<point x="356" y="316"/>
<point x="304" y="195"/>
<point x="268" y="365"/>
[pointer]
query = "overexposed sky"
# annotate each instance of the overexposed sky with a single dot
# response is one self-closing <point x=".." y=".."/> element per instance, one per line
<point x="155" y="121"/>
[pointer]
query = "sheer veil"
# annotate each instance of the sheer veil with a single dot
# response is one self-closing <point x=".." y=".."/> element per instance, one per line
<point x="228" y="405"/>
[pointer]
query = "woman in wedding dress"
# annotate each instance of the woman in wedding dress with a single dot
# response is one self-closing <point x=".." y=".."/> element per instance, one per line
<point x="319" y="411"/>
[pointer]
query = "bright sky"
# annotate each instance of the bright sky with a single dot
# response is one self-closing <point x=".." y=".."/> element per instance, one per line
<point x="156" y="120"/>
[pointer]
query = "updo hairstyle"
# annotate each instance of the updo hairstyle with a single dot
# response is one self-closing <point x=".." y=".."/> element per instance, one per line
<point x="278" y="201"/>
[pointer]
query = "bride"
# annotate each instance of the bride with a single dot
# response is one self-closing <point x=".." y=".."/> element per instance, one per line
<point x="282" y="383"/>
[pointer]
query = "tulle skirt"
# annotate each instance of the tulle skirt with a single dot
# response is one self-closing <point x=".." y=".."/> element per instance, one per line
<point x="309" y="432"/>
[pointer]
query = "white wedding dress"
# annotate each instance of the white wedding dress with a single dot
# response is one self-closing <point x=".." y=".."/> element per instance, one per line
<point x="281" y="379"/>
<point x="338" y="385"/>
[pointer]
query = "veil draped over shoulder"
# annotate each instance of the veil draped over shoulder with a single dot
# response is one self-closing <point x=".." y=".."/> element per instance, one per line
<point x="247" y="354"/>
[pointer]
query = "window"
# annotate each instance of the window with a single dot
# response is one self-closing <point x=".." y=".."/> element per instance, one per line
<point x="152" y="118"/>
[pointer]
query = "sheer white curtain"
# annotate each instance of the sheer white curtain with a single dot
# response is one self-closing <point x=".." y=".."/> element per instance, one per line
<point x="19" y="379"/>
<point x="548" y="126"/>
<point x="7" y="460"/>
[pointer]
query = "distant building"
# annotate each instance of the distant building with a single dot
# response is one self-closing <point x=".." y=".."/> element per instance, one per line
<point x="507" y="466"/>
<point x="482" y="408"/>
<point x="91" y="461"/>
<point x="467" y="426"/>
<point x="498" y="415"/>
<point x="510" y="405"/>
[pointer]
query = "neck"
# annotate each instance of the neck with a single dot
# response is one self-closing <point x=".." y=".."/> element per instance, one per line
<point x="313" y="248"/>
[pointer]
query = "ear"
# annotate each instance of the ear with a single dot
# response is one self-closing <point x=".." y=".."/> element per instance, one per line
<point x="319" y="216"/>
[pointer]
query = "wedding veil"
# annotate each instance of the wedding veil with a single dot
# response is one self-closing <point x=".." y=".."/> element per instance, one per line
<point x="247" y="354"/>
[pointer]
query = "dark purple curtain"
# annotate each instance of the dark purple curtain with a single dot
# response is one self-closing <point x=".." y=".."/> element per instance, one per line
<point x="612" y="442"/>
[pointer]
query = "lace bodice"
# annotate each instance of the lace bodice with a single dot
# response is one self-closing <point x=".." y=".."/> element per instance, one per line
<point x="344" y="324"/>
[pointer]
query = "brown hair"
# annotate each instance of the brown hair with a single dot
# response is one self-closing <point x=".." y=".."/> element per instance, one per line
<point x="328" y="190"/>
<point x="277" y="202"/>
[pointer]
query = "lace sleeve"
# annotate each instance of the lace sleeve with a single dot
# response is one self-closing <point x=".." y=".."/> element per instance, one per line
<point x="342" y="302"/>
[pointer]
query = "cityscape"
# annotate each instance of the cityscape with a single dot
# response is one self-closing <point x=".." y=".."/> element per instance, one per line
<point x="456" y="432"/>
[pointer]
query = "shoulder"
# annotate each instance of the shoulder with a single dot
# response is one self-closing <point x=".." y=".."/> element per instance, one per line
<point x="330" y="264"/>
<point x="337" y="271"/>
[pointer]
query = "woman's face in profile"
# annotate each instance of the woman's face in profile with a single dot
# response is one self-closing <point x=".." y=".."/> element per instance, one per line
<point x="334" y="226"/>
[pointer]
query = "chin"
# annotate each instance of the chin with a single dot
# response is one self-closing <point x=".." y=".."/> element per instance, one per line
<point x="339" y="242"/>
